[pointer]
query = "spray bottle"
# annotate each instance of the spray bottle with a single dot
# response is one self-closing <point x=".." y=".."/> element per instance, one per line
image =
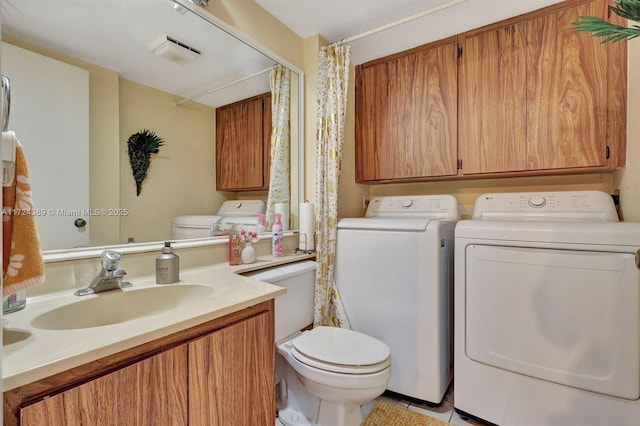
<point x="276" y="242"/>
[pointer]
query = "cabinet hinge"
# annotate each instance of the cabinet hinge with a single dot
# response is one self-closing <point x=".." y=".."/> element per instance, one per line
<point x="607" y="152"/>
<point x="459" y="164"/>
<point x="459" y="52"/>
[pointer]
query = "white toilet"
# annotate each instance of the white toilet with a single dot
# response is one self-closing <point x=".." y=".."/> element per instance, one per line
<point x="327" y="373"/>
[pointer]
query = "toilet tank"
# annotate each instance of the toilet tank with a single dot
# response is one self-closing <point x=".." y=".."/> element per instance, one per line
<point x="293" y="310"/>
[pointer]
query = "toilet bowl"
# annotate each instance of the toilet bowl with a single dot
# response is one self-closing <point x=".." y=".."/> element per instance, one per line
<point x="325" y="374"/>
<point x="342" y="368"/>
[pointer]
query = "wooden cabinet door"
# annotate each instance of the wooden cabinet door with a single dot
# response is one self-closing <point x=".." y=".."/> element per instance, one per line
<point x="241" y="134"/>
<point x="232" y="375"/>
<point x="492" y="111"/>
<point x="372" y="106"/>
<point x="566" y="91"/>
<point x="149" y="392"/>
<point x="406" y="126"/>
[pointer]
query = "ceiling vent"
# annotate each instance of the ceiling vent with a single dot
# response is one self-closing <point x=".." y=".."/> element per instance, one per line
<point x="174" y="50"/>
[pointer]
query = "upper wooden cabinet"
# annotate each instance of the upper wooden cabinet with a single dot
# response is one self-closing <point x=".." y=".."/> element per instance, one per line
<point x="568" y="97"/>
<point x="243" y="139"/>
<point x="492" y="112"/>
<point x="406" y="115"/>
<point x="534" y="97"/>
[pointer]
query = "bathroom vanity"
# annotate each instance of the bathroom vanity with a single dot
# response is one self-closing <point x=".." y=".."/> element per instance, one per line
<point x="219" y="369"/>
<point x="205" y="358"/>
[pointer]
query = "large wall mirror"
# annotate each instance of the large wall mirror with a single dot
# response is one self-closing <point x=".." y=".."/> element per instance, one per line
<point x="84" y="78"/>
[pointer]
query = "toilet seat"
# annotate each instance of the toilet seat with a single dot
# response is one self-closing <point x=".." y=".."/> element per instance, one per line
<point x="340" y="350"/>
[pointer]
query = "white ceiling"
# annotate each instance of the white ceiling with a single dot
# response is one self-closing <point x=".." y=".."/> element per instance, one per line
<point x="116" y="33"/>
<point x="339" y="19"/>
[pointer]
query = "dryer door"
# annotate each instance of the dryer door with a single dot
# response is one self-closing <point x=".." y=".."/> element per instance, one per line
<point x="570" y="317"/>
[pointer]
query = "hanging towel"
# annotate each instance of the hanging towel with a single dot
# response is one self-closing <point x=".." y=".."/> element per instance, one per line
<point x="22" y="264"/>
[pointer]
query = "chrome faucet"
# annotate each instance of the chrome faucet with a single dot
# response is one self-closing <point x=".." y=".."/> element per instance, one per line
<point x="109" y="277"/>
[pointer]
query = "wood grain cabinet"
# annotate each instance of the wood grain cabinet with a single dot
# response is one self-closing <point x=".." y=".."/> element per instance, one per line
<point x="406" y="115"/>
<point x="218" y="373"/>
<point x="152" y="391"/>
<point x="243" y="139"/>
<point x="534" y="96"/>
<point x="492" y="89"/>
<point x="537" y="95"/>
<point x="231" y="379"/>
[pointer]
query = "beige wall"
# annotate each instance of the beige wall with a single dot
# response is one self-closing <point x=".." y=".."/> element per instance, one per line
<point x="245" y="14"/>
<point x="266" y="32"/>
<point x="181" y="178"/>
<point x="350" y="200"/>
<point x="628" y="179"/>
<point x="251" y="19"/>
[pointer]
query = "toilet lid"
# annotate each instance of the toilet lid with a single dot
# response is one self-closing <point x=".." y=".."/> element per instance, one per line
<point x="345" y="349"/>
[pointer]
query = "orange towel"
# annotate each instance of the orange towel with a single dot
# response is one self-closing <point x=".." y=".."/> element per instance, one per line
<point x="22" y="264"/>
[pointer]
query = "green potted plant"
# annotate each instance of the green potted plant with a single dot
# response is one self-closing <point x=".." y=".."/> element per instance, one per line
<point x="628" y="9"/>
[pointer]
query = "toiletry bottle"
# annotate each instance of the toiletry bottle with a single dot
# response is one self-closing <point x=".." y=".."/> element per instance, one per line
<point x="167" y="266"/>
<point x="234" y="246"/>
<point x="276" y="243"/>
<point x="262" y="222"/>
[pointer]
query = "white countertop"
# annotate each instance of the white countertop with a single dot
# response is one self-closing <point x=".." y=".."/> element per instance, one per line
<point x="30" y="354"/>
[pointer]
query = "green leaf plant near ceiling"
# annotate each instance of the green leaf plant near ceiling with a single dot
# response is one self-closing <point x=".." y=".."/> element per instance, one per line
<point x="628" y="9"/>
<point x="141" y="145"/>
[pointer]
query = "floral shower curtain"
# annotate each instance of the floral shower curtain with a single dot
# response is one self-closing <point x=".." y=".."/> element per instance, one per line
<point x="333" y="79"/>
<point x="280" y="80"/>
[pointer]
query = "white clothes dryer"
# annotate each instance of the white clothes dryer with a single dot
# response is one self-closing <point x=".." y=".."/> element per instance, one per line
<point x="394" y="274"/>
<point x="547" y="311"/>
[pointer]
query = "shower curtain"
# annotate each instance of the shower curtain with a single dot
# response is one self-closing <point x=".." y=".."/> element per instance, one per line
<point x="279" y="170"/>
<point x="333" y="79"/>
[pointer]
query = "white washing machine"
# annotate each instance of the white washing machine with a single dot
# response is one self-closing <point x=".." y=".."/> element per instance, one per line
<point x="231" y="212"/>
<point x="547" y="318"/>
<point x="394" y="274"/>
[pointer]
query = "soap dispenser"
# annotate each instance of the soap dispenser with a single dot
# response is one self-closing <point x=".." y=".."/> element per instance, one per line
<point x="167" y="266"/>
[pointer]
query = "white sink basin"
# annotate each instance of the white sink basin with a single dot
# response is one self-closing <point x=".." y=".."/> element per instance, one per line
<point x="118" y="306"/>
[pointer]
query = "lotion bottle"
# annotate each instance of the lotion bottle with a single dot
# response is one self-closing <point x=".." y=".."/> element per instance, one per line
<point x="167" y="266"/>
<point x="276" y="241"/>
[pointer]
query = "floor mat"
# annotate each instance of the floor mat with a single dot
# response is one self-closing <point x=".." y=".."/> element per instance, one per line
<point x="387" y="414"/>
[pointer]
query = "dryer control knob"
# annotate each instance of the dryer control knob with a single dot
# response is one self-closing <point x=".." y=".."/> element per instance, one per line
<point x="407" y="203"/>
<point x="537" y="201"/>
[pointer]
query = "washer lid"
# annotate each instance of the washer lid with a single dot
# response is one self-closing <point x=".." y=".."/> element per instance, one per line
<point x="341" y="346"/>
<point x="417" y="224"/>
<point x="196" y="221"/>
<point x="242" y="208"/>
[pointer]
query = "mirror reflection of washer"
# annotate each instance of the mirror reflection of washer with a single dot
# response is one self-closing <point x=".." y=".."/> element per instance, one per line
<point x="547" y="315"/>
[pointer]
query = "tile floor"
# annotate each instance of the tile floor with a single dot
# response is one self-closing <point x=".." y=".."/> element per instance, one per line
<point x="443" y="412"/>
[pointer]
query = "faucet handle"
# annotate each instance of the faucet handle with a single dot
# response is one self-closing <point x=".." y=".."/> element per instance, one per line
<point x="111" y="260"/>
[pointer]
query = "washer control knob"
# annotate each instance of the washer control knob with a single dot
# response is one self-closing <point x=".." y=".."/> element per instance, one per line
<point x="537" y="201"/>
<point x="407" y="203"/>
